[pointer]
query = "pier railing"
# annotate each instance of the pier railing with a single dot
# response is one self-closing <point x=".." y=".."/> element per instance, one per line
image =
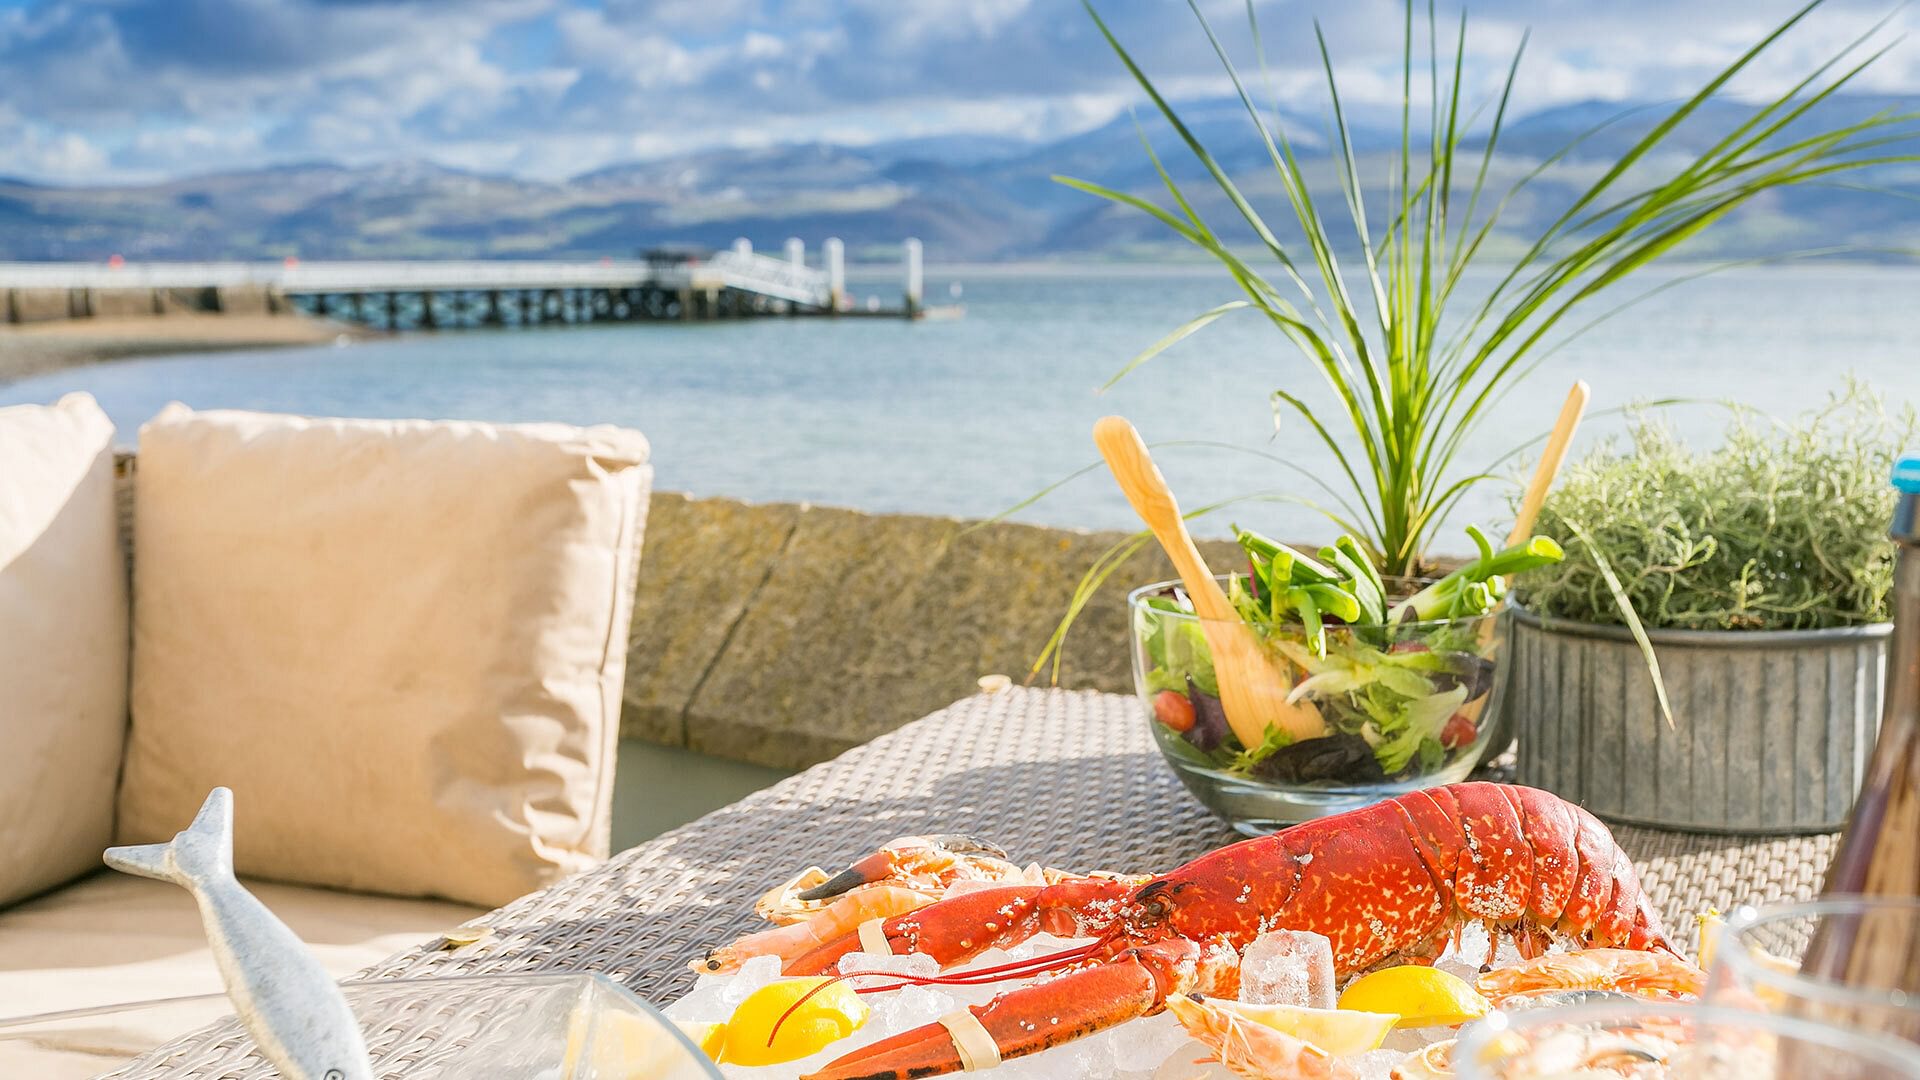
<point x="776" y="278"/>
<point x="400" y="294"/>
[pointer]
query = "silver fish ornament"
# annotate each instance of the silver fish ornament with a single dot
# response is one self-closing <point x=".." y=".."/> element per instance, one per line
<point x="292" y="1008"/>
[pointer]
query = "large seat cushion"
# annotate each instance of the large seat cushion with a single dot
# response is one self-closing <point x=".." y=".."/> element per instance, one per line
<point x="63" y="643"/>
<point x="401" y="643"/>
<point x="112" y="940"/>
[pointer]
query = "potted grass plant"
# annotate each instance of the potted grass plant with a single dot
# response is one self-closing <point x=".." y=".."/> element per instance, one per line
<point x="1759" y="575"/>
<point x="1381" y="311"/>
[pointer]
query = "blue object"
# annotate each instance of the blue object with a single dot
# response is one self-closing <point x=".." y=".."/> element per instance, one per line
<point x="1906" y="474"/>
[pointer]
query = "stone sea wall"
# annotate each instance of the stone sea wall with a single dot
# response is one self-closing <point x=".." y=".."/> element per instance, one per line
<point x="783" y="634"/>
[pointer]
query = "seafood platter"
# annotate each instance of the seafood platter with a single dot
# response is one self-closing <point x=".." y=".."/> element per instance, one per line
<point x="1353" y="947"/>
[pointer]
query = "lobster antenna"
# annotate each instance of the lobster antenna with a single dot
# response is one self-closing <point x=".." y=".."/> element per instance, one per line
<point x="1015" y="969"/>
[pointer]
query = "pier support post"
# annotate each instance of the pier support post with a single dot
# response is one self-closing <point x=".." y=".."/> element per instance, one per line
<point x="686" y="305"/>
<point x="797" y="252"/>
<point x="913" y="276"/>
<point x="493" y="316"/>
<point x="743" y="246"/>
<point x="835" y="253"/>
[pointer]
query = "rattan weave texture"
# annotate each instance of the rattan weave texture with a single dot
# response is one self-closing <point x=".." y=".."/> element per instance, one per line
<point x="1067" y="779"/>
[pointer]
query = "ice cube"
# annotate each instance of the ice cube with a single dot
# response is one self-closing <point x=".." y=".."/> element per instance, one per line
<point x="1042" y="944"/>
<point x="1288" y="967"/>
<point x="908" y="1008"/>
<point x="889" y="964"/>
<point x="1375" y="1064"/>
<point x="753" y="975"/>
<point x="714" y="997"/>
<point x="1414" y="1040"/>
<point x="1142" y="1046"/>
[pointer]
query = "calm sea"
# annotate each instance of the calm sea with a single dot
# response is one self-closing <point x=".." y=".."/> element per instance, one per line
<point x="969" y="416"/>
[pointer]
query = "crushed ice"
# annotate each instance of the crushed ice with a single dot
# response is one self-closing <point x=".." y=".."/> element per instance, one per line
<point x="1288" y="967"/>
<point x="1288" y="964"/>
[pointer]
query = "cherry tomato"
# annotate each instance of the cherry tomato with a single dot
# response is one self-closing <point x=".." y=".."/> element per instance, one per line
<point x="1459" y="732"/>
<point x="1172" y="708"/>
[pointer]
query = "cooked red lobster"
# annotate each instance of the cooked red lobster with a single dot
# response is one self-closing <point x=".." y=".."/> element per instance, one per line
<point x="1388" y="883"/>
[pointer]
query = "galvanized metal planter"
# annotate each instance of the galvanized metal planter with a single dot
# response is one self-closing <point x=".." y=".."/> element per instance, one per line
<point x="1771" y="728"/>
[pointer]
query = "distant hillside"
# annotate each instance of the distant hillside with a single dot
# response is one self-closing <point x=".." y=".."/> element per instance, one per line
<point x="966" y="197"/>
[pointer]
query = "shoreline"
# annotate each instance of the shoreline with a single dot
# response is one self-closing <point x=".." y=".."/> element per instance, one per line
<point x="42" y="348"/>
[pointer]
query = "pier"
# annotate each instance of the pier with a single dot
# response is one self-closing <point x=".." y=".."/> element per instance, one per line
<point x="667" y="285"/>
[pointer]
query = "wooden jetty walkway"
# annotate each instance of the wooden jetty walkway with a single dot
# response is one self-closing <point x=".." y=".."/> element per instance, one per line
<point x="735" y="283"/>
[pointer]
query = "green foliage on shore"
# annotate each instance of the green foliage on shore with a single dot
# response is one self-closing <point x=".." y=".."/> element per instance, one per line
<point x="1784" y="527"/>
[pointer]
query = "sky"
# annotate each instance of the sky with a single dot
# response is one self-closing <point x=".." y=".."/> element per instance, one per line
<point x="129" y="91"/>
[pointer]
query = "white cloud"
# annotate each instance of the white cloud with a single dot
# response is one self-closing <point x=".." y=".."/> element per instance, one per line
<point x="114" y="87"/>
<point x="54" y="155"/>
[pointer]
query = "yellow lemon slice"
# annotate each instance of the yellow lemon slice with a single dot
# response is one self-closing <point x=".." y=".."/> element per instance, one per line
<point x="1711" y="926"/>
<point x="1420" y="996"/>
<point x="1337" y="1031"/>
<point x="707" y="1035"/>
<point x="828" y="1016"/>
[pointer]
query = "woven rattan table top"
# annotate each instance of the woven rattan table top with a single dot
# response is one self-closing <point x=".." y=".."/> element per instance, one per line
<point x="1067" y="779"/>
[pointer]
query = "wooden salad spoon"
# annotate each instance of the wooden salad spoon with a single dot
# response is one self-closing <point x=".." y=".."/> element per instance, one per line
<point x="1550" y="461"/>
<point x="1253" y="687"/>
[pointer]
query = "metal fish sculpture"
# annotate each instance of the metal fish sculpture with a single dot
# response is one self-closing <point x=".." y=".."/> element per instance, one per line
<point x="287" y="1001"/>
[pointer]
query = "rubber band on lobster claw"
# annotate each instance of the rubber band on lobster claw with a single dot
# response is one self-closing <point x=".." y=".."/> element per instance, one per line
<point x="1388" y="883"/>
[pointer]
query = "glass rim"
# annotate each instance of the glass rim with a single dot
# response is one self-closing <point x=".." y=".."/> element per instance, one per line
<point x="1136" y="599"/>
<point x="1747" y="917"/>
<point x="344" y="984"/>
<point x="1883" y="1051"/>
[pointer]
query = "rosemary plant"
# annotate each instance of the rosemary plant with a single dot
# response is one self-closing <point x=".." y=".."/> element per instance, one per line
<point x="1783" y="527"/>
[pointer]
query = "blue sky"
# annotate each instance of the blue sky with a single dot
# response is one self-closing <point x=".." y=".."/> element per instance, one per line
<point x="101" y="91"/>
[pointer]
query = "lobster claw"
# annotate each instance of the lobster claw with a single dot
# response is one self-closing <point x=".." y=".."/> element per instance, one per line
<point x="1131" y="984"/>
<point x="888" y="862"/>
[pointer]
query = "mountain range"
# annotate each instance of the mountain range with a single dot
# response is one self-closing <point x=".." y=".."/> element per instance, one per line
<point x="968" y="197"/>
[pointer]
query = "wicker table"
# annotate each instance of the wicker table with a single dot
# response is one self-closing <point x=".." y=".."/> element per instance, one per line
<point x="1066" y="779"/>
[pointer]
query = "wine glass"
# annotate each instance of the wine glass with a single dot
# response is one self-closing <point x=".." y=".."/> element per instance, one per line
<point x="1673" y="1040"/>
<point x="1850" y="961"/>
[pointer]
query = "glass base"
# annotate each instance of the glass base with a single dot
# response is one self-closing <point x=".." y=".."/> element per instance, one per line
<point x="1256" y="808"/>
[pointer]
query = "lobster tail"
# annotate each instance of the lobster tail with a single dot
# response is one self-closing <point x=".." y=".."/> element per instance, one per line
<point x="1529" y="854"/>
<point x="1393" y="880"/>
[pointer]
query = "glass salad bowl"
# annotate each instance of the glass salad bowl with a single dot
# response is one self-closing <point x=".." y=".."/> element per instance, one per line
<point x="1377" y="709"/>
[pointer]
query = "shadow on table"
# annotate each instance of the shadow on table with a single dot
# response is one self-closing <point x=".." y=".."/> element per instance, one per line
<point x="660" y="905"/>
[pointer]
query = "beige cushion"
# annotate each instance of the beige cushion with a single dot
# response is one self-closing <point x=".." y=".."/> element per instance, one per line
<point x="113" y="939"/>
<point x="401" y="643"/>
<point x="63" y="643"/>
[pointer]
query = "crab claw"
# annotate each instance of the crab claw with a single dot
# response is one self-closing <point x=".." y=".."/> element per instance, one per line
<point x="1133" y="983"/>
<point x="887" y="863"/>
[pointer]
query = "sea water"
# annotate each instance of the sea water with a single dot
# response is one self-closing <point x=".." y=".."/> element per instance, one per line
<point x="969" y="416"/>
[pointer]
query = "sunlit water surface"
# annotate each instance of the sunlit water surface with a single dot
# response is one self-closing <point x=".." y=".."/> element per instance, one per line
<point x="969" y="416"/>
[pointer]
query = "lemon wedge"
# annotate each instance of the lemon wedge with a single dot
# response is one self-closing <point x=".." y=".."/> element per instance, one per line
<point x="1337" y="1031"/>
<point x="709" y="1036"/>
<point x="828" y="1016"/>
<point x="1711" y="925"/>
<point x="1420" y="996"/>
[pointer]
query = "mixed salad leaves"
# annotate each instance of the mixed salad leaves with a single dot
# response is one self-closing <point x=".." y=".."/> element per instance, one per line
<point x="1395" y="679"/>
